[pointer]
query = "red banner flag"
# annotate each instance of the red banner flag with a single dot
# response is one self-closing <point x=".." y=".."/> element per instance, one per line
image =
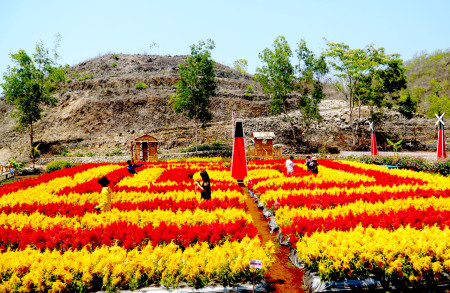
<point x="239" y="159"/>
<point x="441" y="138"/>
<point x="373" y="140"/>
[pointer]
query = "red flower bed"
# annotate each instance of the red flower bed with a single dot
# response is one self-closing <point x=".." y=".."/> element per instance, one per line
<point x="73" y="210"/>
<point x="24" y="184"/>
<point x="324" y="201"/>
<point x="124" y="234"/>
<point x="392" y="220"/>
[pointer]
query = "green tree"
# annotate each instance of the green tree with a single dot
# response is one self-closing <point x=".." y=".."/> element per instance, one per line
<point x="407" y="106"/>
<point x="277" y="77"/>
<point x="241" y="65"/>
<point x="29" y="86"/>
<point x="381" y="86"/>
<point x="366" y="76"/>
<point x="196" y="85"/>
<point x="438" y="99"/>
<point x="311" y="70"/>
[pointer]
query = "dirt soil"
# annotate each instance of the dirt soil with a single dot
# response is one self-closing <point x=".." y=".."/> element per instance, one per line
<point x="282" y="276"/>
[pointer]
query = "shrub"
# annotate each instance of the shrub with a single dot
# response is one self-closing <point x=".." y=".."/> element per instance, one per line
<point x="417" y="164"/>
<point x="57" y="165"/>
<point x="215" y="145"/>
<point x="85" y="76"/>
<point x="116" y="152"/>
<point x="116" y="56"/>
<point x="16" y="165"/>
<point x="140" y="86"/>
<point x="64" y="152"/>
<point x="114" y="64"/>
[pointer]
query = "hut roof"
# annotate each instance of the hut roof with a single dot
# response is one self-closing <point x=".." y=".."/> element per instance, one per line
<point x="147" y="138"/>
<point x="263" y="135"/>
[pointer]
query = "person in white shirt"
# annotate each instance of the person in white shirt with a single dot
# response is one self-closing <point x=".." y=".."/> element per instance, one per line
<point x="290" y="166"/>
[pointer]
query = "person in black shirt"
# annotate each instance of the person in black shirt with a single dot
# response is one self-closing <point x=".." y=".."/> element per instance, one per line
<point x="131" y="167"/>
<point x="313" y="166"/>
<point x="205" y="186"/>
<point x="308" y="160"/>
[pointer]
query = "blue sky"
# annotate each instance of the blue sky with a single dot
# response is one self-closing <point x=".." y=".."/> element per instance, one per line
<point x="241" y="29"/>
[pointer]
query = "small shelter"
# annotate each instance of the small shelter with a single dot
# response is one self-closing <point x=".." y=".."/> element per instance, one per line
<point x="263" y="148"/>
<point x="144" y="148"/>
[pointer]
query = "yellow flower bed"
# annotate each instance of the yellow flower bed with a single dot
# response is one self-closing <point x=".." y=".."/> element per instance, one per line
<point x="326" y="175"/>
<point x="54" y="272"/>
<point x="46" y="192"/>
<point x="286" y="214"/>
<point x="142" y="178"/>
<point x="405" y="251"/>
<point x="141" y="218"/>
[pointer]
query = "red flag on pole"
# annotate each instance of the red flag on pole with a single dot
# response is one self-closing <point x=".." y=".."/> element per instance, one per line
<point x="238" y="159"/>
<point x="373" y="140"/>
<point x="441" y="138"/>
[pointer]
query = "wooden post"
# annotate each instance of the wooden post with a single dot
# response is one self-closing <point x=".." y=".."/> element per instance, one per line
<point x="254" y="273"/>
<point x="138" y="151"/>
<point x="132" y="153"/>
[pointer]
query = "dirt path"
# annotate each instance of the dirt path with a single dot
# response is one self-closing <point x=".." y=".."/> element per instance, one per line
<point x="282" y="276"/>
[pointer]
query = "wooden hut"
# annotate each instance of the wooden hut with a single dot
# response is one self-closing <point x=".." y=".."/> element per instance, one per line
<point x="263" y="148"/>
<point x="144" y="148"/>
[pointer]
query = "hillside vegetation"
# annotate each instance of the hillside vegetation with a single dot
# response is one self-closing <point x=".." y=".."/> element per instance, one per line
<point x="429" y="81"/>
<point x="109" y="100"/>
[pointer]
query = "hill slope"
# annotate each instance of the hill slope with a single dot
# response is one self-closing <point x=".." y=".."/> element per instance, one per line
<point x="100" y="110"/>
<point x="428" y="76"/>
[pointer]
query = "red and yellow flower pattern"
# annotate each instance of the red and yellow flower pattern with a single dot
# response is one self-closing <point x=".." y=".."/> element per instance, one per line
<point x="158" y="231"/>
<point x="353" y="220"/>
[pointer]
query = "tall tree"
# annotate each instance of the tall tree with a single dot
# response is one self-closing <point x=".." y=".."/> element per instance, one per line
<point x="277" y="76"/>
<point x="196" y="85"/>
<point x="364" y="77"/>
<point x="29" y="86"/>
<point x="381" y="86"/>
<point x="311" y="70"/>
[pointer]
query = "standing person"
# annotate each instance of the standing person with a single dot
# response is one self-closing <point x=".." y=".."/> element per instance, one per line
<point x="131" y="167"/>
<point x="314" y="165"/>
<point x="308" y="160"/>
<point x="205" y="186"/>
<point x="290" y="166"/>
<point x="105" y="204"/>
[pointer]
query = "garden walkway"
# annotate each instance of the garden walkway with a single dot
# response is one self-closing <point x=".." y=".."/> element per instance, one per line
<point x="282" y="276"/>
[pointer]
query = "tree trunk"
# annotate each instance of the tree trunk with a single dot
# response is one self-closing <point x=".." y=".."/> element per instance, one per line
<point x="290" y="122"/>
<point x="293" y="130"/>
<point x="352" y="127"/>
<point x="358" y="134"/>
<point x="31" y="142"/>
<point x="196" y="137"/>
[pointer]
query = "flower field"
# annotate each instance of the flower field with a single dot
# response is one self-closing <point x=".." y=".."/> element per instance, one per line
<point x="159" y="231"/>
<point x="354" y="220"/>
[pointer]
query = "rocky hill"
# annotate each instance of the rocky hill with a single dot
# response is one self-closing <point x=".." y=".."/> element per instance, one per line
<point x="100" y="111"/>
